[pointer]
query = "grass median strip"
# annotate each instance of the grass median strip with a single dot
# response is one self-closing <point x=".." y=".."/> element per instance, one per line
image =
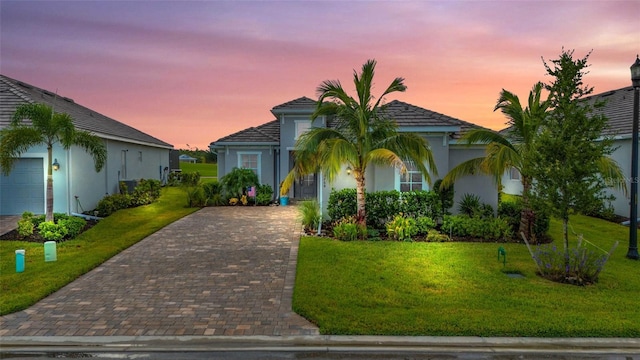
<point x="454" y="289"/>
<point x="78" y="256"/>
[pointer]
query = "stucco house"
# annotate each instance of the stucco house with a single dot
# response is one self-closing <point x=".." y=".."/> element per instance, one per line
<point x="619" y="111"/>
<point x="268" y="150"/>
<point x="131" y="155"/>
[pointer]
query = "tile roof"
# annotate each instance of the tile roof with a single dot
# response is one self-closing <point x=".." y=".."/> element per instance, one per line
<point x="618" y="109"/>
<point x="14" y="92"/>
<point x="302" y="103"/>
<point x="265" y="133"/>
<point x="410" y="115"/>
<point x="404" y="114"/>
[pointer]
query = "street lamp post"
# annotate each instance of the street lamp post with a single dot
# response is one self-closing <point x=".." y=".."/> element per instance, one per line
<point x="633" y="221"/>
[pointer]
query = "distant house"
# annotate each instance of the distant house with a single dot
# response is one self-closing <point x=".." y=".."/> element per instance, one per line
<point x="132" y="155"/>
<point x="619" y="111"/>
<point x="267" y="149"/>
<point x="188" y="159"/>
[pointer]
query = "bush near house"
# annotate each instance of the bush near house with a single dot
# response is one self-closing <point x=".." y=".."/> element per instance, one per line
<point x="415" y="216"/>
<point x="382" y="206"/>
<point x="146" y="192"/>
<point x="35" y="228"/>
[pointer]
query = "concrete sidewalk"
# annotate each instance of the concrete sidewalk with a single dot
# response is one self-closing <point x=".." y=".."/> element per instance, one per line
<point x="219" y="271"/>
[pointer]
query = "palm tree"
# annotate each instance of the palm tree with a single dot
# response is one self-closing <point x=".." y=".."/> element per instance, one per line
<point x="45" y="128"/>
<point x="506" y="151"/>
<point x="362" y="135"/>
<point x="516" y="148"/>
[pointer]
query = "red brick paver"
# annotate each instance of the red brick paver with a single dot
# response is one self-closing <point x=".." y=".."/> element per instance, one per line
<point x="219" y="271"/>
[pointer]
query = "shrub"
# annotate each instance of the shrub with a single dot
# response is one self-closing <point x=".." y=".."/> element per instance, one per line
<point x="190" y="179"/>
<point x="146" y="192"/>
<point x="435" y="236"/>
<point x="402" y="228"/>
<point x="346" y="229"/>
<point x="310" y="214"/>
<point x="420" y="203"/>
<point x="264" y="194"/>
<point x="581" y="267"/>
<point x="195" y="196"/>
<point x="237" y="180"/>
<point x="469" y="205"/>
<point x="491" y="229"/>
<point x="381" y="207"/>
<point x="425" y="224"/>
<point x="112" y="203"/>
<point x="213" y="193"/>
<point x="341" y="204"/>
<point x="511" y="213"/>
<point x="25" y="224"/>
<point x="73" y="226"/>
<point x="51" y="231"/>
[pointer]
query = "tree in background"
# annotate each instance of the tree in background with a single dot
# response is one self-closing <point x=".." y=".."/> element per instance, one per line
<point x="45" y="128"/>
<point x="571" y="164"/>
<point x="362" y="136"/>
<point x="202" y="156"/>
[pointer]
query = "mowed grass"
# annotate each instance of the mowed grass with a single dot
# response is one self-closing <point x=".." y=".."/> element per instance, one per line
<point x="396" y="288"/>
<point x="206" y="170"/>
<point x="76" y="257"/>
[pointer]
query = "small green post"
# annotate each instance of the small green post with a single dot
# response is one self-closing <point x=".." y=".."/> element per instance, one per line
<point x="502" y="252"/>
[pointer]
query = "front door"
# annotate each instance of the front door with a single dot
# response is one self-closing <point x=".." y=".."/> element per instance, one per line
<point x="304" y="187"/>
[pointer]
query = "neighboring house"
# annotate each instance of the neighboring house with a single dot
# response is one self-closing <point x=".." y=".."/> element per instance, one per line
<point x="131" y="154"/>
<point x="187" y="158"/>
<point x="268" y="150"/>
<point x="619" y="111"/>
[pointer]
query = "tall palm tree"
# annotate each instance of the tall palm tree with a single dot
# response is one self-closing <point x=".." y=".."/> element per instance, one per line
<point x="510" y="150"/>
<point x="45" y="128"/>
<point x="362" y="135"/>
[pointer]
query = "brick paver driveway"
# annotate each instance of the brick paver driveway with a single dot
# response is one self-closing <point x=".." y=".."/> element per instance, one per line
<point x="219" y="271"/>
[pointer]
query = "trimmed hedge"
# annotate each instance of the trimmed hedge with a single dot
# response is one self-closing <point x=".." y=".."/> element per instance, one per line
<point x="382" y="206"/>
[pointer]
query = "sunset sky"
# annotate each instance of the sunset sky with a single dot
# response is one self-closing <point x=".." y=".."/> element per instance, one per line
<point x="191" y="72"/>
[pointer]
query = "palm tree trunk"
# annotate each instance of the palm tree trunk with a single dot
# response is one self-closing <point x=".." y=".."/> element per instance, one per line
<point x="49" y="209"/>
<point x="526" y="215"/>
<point x="361" y="215"/>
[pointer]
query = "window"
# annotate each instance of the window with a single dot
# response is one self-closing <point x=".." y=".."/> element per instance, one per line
<point x="302" y="126"/>
<point x="250" y="160"/>
<point x="411" y="180"/>
<point x="514" y="174"/>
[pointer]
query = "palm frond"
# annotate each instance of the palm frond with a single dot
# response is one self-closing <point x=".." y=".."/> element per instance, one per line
<point x="612" y="173"/>
<point x="469" y="167"/>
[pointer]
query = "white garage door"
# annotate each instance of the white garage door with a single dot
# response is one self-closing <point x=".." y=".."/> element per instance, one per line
<point x="23" y="189"/>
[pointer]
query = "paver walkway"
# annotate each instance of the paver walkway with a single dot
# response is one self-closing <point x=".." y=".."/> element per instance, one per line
<point x="219" y="271"/>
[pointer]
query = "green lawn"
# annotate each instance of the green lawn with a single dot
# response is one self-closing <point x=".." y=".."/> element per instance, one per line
<point x="205" y="170"/>
<point x="76" y="257"/>
<point x="395" y="288"/>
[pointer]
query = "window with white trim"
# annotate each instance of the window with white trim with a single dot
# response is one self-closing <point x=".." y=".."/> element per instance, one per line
<point x="302" y="126"/>
<point x="250" y="160"/>
<point x="412" y="180"/>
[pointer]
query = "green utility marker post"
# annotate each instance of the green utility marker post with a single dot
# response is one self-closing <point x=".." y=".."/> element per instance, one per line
<point x="502" y="252"/>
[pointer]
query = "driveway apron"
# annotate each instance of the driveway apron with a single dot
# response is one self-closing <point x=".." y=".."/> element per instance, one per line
<point x="219" y="271"/>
